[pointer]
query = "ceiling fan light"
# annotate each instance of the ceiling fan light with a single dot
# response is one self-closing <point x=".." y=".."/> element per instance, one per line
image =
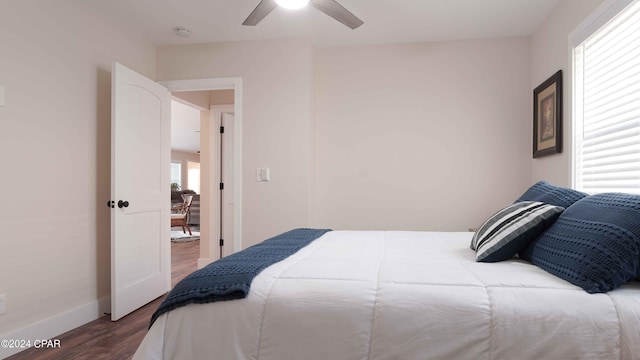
<point x="292" y="4"/>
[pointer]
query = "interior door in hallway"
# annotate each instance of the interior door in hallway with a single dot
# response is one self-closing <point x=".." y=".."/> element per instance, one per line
<point x="226" y="175"/>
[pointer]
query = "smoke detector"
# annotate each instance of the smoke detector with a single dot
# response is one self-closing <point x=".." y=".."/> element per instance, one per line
<point x="182" y="32"/>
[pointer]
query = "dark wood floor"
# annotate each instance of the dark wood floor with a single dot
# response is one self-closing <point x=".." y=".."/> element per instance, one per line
<point x="104" y="339"/>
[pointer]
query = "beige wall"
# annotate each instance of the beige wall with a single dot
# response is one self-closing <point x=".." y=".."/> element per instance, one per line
<point x="277" y="80"/>
<point x="427" y="136"/>
<point x="378" y="163"/>
<point x="221" y="97"/>
<point x="549" y="53"/>
<point x="197" y="98"/>
<point x="55" y="65"/>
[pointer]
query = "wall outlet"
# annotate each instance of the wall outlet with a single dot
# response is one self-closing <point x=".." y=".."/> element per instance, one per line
<point x="3" y="304"/>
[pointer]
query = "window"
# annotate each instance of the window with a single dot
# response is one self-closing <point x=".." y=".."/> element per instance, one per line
<point x="606" y="107"/>
<point x="193" y="176"/>
<point x="176" y="173"/>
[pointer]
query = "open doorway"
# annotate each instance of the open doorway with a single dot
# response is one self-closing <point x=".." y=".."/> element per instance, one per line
<point x="216" y="167"/>
<point x="210" y="199"/>
<point x="185" y="176"/>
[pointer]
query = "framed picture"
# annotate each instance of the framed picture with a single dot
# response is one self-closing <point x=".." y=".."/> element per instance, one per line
<point x="547" y="117"/>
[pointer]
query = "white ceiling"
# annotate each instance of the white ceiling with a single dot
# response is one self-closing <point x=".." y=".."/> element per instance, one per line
<point x="385" y="21"/>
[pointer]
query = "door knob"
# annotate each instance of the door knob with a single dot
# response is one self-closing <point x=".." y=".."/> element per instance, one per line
<point x="110" y="204"/>
<point x="122" y="204"/>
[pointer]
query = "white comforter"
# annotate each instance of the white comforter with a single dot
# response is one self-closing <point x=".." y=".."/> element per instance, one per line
<point x="402" y="295"/>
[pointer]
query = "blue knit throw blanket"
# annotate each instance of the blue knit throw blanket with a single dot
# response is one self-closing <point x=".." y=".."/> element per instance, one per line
<point x="230" y="277"/>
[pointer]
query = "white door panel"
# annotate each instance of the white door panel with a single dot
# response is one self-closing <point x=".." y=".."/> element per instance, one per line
<point x="140" y="152"/>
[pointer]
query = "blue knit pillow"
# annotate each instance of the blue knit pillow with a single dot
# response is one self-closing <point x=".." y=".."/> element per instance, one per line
<point x="511" y="229"/>
<point x="550" y="194"/>
<point x="594" y="244"/>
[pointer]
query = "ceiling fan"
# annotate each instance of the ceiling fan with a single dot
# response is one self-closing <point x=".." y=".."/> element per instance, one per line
<point x="329" y="7"/>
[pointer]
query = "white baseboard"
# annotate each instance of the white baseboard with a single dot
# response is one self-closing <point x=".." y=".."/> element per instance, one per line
<point x="202" y="262"/>
<point x="57" y="325"/>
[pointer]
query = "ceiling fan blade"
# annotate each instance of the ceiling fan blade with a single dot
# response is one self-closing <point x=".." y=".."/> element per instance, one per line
<point x="263" y="9"/>
<point x="338" y="12"/>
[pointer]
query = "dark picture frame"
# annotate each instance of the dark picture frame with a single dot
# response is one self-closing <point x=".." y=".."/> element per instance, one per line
<point x="547" y="117"/>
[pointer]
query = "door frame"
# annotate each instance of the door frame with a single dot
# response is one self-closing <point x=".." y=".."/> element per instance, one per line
<point x="210" y="251"/>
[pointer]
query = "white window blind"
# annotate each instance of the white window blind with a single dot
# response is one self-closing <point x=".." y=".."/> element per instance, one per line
<point x="607" y="106"/>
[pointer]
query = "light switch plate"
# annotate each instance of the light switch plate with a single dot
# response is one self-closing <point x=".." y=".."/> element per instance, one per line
<point x="262" y="175"/>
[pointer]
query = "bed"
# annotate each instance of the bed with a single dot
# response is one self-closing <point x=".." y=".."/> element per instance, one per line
<point x="426" y="295"/>
<point x="402" y="295"/>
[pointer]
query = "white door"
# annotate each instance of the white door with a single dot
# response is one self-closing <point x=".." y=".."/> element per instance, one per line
<point x="140" y="162"/>
<point x="227" y="171"/>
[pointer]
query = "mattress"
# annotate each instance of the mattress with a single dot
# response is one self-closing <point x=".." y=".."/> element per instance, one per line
<point x="402" y="295"/>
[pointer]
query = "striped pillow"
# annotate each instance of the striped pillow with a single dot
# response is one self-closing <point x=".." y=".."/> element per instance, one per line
<point x="511" y="229"/>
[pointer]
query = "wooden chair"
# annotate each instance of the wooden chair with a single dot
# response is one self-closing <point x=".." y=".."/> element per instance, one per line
<point x="180" y="214"/>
